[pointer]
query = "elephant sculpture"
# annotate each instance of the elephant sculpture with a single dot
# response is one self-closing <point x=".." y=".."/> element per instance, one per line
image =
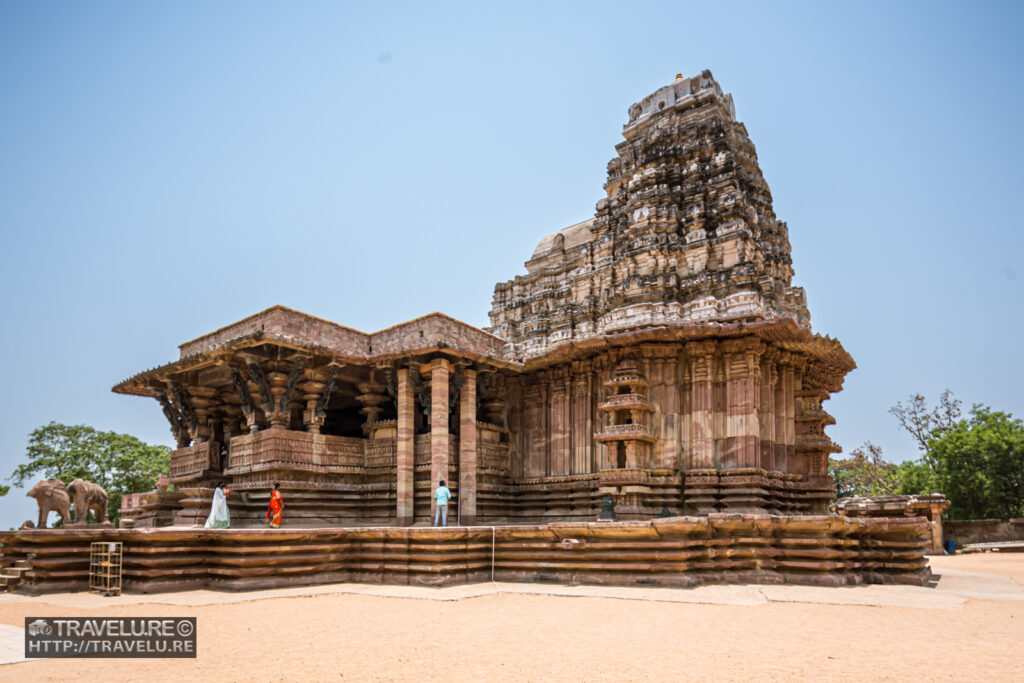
<point x="88" y="496"/>
<point x="50" y="494"/>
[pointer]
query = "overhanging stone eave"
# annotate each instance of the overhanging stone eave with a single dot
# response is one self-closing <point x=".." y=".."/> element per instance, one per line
<point x="135" y="385"/>
<point x="782" y="331"/>
<point x="449" y="350"/>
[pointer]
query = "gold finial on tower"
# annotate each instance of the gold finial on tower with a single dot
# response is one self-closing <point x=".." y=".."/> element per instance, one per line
<point x="679" y="77"/>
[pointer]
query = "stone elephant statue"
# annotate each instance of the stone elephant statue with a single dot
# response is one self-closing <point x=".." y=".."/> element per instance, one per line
<point x="50" y="494"/>
<point x="88" y="496"/>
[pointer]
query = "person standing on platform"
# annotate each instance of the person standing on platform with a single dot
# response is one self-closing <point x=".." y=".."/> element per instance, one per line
<point x="275" y="513"/>
<point x="220" y="517"/>
<point x="442" y="495"/>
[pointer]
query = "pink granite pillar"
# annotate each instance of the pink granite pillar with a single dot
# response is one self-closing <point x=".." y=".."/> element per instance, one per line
<point x="467" y="450"/>
<point x="439" y="438"/>
<point x="404" y="448"/>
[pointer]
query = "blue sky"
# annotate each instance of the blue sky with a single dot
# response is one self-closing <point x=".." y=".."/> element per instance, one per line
<point x="167" y="168"/>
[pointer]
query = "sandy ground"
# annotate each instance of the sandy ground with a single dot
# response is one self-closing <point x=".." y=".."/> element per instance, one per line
<point x="516" y="637"/>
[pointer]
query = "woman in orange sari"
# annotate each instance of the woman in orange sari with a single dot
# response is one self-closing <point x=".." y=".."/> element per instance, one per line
<point x="275" y="513"/>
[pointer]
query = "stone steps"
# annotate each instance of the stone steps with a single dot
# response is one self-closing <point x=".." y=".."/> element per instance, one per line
<point x="10" y="575"/>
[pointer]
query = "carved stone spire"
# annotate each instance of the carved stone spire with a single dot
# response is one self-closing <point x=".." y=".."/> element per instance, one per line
<point x="686" y="235"/>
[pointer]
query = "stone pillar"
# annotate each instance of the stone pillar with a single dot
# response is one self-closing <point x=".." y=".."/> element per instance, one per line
<point x="279" y="415"/>
<point x="439" y="438"/>
<point x="936" y="510"/>
<point x="666" y="422"/>
<point x="232" y="428"/>
<point x="936" y="530"/>
<point x="311" y="391"/>
<point x="373" y="398"/>
<point x="232" y="418"/>
<point x="684" y="391"/>
<point x="467" y="450"/>
<point x="582" y="420"/>
<point x="702" y="431"/>
<point x="404" y="450"/>
<point x="202" y="399"/>
<point x="785" y="413"/>
<point x="559" y="421"/>
<point x="766" y="413"/>
<point x="743" y="393"/>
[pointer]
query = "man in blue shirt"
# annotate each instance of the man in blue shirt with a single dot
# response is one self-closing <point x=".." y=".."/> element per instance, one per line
<point x="442" y="496"/>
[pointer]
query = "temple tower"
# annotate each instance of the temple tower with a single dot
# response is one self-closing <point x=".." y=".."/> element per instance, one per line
<point x="685" y="269"/>
<point x="686" y="234"/>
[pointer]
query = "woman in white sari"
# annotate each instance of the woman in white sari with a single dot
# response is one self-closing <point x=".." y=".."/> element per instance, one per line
<point x="219" y="517"/>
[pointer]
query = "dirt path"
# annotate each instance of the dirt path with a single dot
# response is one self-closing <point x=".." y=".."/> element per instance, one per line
<point x="546" y="638"/>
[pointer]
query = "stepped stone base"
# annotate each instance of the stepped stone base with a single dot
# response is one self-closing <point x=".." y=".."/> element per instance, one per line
<point x="673" y="551"/>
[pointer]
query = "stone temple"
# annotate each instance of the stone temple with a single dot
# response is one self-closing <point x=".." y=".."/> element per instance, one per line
<point x="657" y="353"/>
<point x="654" y="361"/>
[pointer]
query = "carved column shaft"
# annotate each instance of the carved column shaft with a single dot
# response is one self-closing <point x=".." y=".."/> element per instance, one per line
<point x="404" y="451"/>
<point x="582" y="420"/>
<point x="743" y="393"/>
<point x="559" y="421"/>
<point x="702" y="432"/>
<point x="785" y="412"/>
<point x="467" y="449"/>
<point x="766" y="412"/>
<point x="439" y="437"/>
<point x="311" y="394"/>
<point x="280" y="414"/>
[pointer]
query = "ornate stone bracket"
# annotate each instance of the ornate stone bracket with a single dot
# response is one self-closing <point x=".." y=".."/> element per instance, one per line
<point x="243" y="392"/>
<point x="325" y="396"/>
<point x="174" y="417"/>
<point x="184" y="404"/>
<point x="421" y="389"/>
<point x="391" y="384"/>
<point x="458" y="378"/>
<point x="483" y="387"/>
<point x="260" y="379"/>
<point x="289" y="390"/>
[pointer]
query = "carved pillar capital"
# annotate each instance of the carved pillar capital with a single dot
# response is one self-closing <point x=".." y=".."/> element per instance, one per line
<point x="202" y="399"/>
<point x="311" y="417"/>
<point x="278" y="383"/>
<point x="742" y="357"/>
<point x="698" y="349"/>
<point x="373" y="397"/>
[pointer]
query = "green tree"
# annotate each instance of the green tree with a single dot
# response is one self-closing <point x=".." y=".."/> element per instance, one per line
<point x="120" y="463"/>
<point x="864" y="473"/>
<point x="921" y="423"/>
<point x="916" y="477"/>
<point x="977" y="462"/>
